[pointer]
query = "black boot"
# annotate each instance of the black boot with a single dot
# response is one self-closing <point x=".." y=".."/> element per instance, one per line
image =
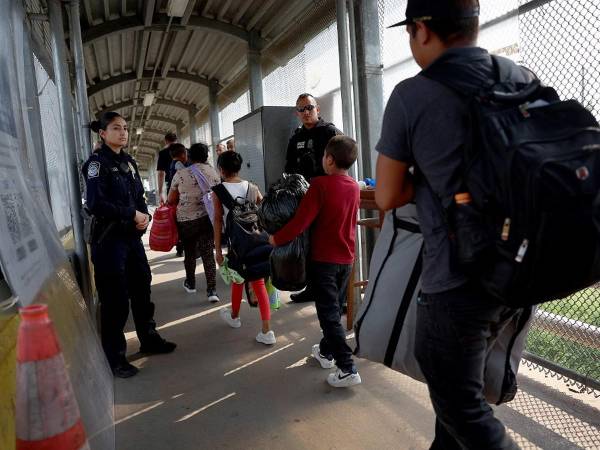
<point x="124" y="370"/>
<point x="155" y="344"/>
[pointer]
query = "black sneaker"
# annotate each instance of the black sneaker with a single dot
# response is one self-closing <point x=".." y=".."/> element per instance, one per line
<point x="124" y="370"/>
<point x="301" y="297"/>
<point x="158" y="346"/>
<point x="189" y="288"/>
<point x="212" y="296"/>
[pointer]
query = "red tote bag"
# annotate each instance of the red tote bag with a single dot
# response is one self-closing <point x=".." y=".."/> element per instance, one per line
<point x="163" y="234"/>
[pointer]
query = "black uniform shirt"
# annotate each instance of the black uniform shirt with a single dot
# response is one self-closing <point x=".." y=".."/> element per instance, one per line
<point x="306" y="147"/>
<point x="164" y="164"/>
<point x="114" y="187"/>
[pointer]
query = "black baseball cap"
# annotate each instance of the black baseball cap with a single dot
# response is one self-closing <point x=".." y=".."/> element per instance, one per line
<point x="423" y="10"/>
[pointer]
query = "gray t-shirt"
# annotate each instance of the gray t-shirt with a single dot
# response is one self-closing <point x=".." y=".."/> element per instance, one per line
<point x="424" y="126"/>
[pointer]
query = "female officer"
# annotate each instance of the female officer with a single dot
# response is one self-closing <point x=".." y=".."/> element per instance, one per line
<point x="115" y="196"/>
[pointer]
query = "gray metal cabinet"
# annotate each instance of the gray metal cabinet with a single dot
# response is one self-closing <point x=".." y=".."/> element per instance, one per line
<point x="261" y="137"/>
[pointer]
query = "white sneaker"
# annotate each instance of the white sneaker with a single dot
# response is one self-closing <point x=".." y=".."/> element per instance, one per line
<point x="342" y="379"/>
<point x="325" y="363"/>
<point x="212" y="296"/>
<point x="267" y="338"/>
<point x="226" y="316"/>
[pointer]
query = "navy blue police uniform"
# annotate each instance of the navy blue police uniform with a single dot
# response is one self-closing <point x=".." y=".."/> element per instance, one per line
<point x="306" y="147"/>
<point x="122" y="273"/>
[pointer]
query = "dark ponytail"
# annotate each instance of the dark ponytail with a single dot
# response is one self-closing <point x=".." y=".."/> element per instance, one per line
<point x="104" y="121"/>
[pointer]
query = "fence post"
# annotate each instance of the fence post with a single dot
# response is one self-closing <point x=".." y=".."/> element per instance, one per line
<point x="59" y="61"/>
<point x="80" y="82"/>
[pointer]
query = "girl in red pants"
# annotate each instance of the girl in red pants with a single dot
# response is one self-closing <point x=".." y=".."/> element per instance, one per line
<point x="233" y="187"/>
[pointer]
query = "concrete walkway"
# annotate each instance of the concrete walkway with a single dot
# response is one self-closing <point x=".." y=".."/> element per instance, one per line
<point x="222" y="390"/>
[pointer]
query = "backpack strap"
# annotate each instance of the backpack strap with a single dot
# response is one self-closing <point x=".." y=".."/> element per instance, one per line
<point x="200" y="178"/>
<point x="252" y="192"/>
<point x="224" y="196"/>
<point x="503" y="68"/>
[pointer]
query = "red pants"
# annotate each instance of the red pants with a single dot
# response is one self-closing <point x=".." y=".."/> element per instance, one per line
<point x="260" y="291"/>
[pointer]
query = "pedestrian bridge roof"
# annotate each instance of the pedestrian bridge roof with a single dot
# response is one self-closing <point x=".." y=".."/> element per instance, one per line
<point x="133" y="47"/>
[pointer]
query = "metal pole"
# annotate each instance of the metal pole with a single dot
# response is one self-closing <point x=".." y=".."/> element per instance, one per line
<point x="370" y="79"/>
<point x="255" y="72"/>
<point x="193" y="126"/>
<point x="83" y="109"/>
<point x="370" y="92"/>
<point x="213" y="111"/>
<point x="59" y="61"/>
<point x="355" y="89"/>
<point x="362" y="236"/>
<point x="345" y="77"/>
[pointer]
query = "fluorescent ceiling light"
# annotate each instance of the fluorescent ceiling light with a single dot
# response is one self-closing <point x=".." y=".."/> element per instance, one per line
<point x="149" y="98"/>
<point x="176" y="8"/>
<point x="139" y="130"/>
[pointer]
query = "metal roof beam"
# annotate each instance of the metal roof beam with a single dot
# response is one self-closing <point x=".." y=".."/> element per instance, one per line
<point x="127" y="24"/>
<point x="146" y="75"/>
<point x="148" y="12"/>
<point x="169" y="56"/>
<point x="259" y="14"/>
<point x="188" y="12"/>
<point x="223" y="10"/>
<point x="161" y="101"/>
<point x="156" y="131"/>
<point x="176" y="123"/>
<point x="241" y="11"/>
<point x="149" y="140"/>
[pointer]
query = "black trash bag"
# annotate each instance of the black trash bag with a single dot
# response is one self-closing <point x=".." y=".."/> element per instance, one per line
<point x="288" y="264"/>
<point x="281" y="202"/>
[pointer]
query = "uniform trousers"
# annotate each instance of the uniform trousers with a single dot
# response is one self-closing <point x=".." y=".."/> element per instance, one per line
<point x="122" y="274"/>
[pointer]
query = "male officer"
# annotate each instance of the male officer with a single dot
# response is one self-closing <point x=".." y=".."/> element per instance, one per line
<point x="307" y="144"/>
<point x="305" y="151"/>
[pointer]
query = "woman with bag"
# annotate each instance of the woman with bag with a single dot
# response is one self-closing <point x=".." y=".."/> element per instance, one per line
<point x="248" y="251"/>
<point x="190" y="191"/>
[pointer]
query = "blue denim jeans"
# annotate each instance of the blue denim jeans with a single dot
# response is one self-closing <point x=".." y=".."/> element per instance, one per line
<point x="455" y="330"/>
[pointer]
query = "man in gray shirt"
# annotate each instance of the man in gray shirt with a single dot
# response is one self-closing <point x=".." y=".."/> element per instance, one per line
<point x="425" y="127"/>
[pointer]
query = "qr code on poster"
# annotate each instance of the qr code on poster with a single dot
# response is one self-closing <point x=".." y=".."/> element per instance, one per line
<point x="19" y="225"/>
<point x="9" y="207"/>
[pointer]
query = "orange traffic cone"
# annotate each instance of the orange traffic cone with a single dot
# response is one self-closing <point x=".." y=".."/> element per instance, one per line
<point x="46" y="410"/>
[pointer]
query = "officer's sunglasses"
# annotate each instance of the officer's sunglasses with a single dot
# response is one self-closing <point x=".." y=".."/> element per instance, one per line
<point x="305" y="108"/>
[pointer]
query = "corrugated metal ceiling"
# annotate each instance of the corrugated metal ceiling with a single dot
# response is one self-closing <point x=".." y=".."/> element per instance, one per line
<point x="132" y="47"/>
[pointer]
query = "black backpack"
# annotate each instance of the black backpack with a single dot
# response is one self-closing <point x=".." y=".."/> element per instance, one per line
<point x="532" y="168"/>
<point x="248" y="245"/>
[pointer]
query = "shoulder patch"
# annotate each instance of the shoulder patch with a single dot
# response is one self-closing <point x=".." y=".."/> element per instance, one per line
<point x="93" y="169"/>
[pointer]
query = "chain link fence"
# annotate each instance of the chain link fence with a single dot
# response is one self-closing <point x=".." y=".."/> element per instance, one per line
<point x="239" y="108"/>
<point x="559" y="41"/>
<point x="54" y="149"/>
